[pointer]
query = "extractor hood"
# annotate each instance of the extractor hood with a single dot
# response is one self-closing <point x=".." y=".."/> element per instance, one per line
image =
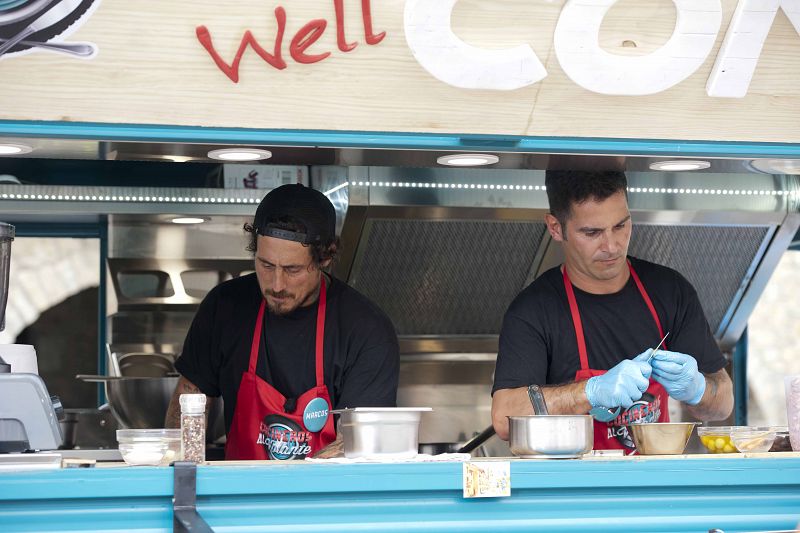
<point x="444" y="251"/>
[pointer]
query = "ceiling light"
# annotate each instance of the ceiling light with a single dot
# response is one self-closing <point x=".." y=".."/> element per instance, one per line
<point x="468" y="160"/>
<point x="679" y="165"/>
<point x="777" y="166"/>
<point x="14" y="149"/>
<point x="188" y="220"/>
<point x="178" y="158"/>
<point x="239" y="154"/>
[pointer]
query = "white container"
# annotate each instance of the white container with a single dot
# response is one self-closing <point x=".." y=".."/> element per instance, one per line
<point x="147" y="441"/>
<point x="144" y="453"/>
<point x="21" y="357"/>
<point x="380" y="432"/>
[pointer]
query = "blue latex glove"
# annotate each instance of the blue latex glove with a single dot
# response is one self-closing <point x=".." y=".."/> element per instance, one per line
<point x="622" y="385"/>
<point x="679" y="375"/>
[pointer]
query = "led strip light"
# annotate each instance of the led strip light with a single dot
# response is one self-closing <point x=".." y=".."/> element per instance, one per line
<point x="149" y="199"/>
<point x="122" y="195"/>
<point x="253" y="196"/>
<point x="503" y="187"/>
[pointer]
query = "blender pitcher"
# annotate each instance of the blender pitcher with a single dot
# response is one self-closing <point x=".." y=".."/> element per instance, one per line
<point x="6" y="236"/>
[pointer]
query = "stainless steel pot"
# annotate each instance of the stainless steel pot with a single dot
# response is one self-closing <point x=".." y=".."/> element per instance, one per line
<point x="142" y="402"/>
<point x="550" y="436"/>
<point x="380" y="431"/>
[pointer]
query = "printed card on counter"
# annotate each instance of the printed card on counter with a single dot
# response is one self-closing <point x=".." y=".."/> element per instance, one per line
<point x="487" y="479"/>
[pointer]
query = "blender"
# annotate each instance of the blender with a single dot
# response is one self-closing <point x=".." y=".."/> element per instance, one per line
<point x="28" y="414"/>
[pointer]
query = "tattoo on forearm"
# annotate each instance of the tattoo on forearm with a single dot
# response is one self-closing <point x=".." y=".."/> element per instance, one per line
<point x="189" y="388"/>
<point x="173" y="418"/>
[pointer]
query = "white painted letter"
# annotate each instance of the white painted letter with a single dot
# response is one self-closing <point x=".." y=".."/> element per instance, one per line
<point x="577" y="47"/>
<point x="451" y="60"/>
<point x="738" y="57"/>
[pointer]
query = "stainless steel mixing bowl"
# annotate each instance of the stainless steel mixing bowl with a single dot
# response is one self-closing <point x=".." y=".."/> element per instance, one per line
<point x="661" y="438"/>
<point x="550" y="436"/>
<point x="142" y="402"/>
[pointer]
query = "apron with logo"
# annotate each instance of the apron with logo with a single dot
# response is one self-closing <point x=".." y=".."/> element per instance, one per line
<point x="652" y="407"/>
<point x="266" y="424"/>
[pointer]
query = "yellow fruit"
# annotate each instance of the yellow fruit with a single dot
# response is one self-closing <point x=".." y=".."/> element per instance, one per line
<point x="728" y="449"/>
<point x="720" y="443"/>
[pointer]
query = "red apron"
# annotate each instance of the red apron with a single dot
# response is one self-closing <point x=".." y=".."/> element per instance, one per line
<point x="652" y="407"/>
<point x="262" y="428"/>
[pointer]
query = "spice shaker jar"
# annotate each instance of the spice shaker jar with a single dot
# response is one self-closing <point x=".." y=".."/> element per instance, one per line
<point x="193" y="427"/>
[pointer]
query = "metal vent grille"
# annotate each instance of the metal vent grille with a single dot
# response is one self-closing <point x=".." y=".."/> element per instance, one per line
<point x="717" y="260"/>
<point x="445" y="277"/>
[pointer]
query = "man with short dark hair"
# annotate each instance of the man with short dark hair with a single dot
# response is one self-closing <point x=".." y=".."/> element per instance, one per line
<point x="288" y="344"/>
<point x="577" y="329"/>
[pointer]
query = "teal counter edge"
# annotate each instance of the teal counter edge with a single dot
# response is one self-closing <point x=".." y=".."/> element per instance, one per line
<point x="733" y="493"/>
<point x="310" y="478"/>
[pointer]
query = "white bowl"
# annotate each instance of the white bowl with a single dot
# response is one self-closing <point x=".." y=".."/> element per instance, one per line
<point x="144" y="453"/>
<point x="169" y="437"/>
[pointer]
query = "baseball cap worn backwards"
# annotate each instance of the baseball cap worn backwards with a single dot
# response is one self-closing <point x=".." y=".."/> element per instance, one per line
<point x="300" y="204"/>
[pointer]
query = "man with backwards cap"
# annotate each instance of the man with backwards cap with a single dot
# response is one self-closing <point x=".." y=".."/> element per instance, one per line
<point x="286" y="345"/>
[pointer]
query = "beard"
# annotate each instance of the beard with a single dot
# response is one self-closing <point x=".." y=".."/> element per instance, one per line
<point x="281" y="303"/>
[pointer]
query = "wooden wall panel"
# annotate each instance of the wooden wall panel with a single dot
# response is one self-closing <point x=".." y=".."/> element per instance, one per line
<point x="151" y="69"/>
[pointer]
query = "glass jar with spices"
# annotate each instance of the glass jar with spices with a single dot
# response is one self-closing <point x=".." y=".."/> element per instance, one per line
<point x="193" y="427"/>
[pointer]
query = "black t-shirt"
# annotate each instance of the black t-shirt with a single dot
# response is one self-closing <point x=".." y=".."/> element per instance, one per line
<point x="361" y="355"/>
<point x="538" y="344"/>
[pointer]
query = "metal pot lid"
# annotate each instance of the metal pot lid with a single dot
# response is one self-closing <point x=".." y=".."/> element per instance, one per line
<point x="6" y="231"/>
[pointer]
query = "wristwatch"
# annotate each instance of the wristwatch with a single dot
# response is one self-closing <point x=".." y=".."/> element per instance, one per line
<point x="536" y="397"/>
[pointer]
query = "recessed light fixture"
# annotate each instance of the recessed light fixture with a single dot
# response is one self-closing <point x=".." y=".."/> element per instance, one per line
<point x="239" y="154"/>
<point x="14" y="149"/>
<point x="188" y="220"/>
<point x="468" y="160"/>
<point x="777" y="166"/>
<point x="679" y="165"/>
<point x="178" y="158"/>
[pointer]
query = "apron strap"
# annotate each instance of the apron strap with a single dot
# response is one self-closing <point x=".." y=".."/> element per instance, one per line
<point x="647" y="301"/>
<point x="576" y="316"/>
<point x="256" y="338"/>
<point x="321" y="309"/>
<point x="576" y="320"/>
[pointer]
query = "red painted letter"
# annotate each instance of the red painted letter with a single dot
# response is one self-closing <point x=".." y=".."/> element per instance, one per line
<point x="341" y="40"/>
<point x="366" y="12"/>
<point x="305" y="37"/>
<point x="232" y="70"/>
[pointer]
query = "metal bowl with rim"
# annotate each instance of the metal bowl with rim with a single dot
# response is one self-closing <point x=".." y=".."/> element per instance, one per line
<point x="142" y="402"/>
<point x="550" y="436"/>
<point x="661" y="438"/>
